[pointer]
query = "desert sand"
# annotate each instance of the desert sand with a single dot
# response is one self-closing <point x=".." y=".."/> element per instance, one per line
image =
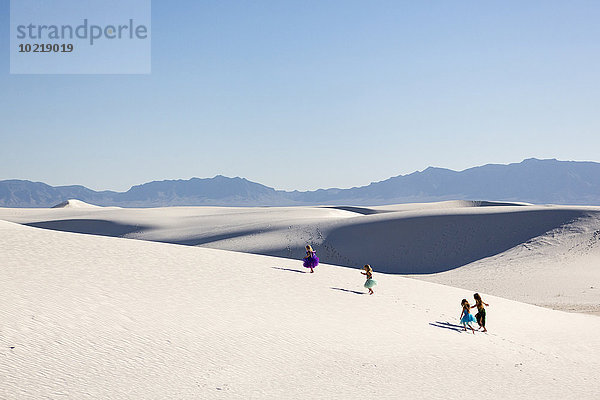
<point x="93" y="316"/>
<point x="543" y="255"/>
<point x="99" y="317"/>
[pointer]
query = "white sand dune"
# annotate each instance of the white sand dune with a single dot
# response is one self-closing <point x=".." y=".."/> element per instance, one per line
<point x="560" y="269"/>
<point x="74" y="203"/>
<point x="476" y="242"/>
<point x="413" y="238"/>
<point x="100" y="317"/>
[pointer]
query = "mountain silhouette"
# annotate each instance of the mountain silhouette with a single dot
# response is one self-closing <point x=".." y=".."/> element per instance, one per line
<point x="533" y="181"/>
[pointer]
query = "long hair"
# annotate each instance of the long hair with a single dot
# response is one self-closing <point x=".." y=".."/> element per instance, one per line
<point x="478" y="300"/>
<point x="465" y="304"/>
<point x="309" y="248"/>
<point x="368" y="268"/>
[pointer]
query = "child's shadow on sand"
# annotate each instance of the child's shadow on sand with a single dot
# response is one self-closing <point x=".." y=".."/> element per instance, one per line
<point x="347" y="290"/>
<point x="447" y="325"/>
<point x="291" y="270"/>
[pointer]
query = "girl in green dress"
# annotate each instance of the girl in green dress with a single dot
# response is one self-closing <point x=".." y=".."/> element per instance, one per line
<point x="480" y="316"/>
<point x="370" y="283"/>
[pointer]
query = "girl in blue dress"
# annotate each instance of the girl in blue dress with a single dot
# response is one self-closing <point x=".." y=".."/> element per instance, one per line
<point x="465" y="316"/>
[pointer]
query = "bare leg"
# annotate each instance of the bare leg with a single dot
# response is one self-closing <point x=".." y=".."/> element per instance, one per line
<point x="370" y="291"/>
<point x="311" y="271"/>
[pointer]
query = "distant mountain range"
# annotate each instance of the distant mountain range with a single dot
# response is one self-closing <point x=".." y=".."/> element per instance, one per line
<point x="532" y="181"/>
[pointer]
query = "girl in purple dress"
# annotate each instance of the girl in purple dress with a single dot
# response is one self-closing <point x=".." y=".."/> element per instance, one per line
<point x="310" y="260"/>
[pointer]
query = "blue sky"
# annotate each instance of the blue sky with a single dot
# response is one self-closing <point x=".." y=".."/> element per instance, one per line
<point x="310" y="94"/>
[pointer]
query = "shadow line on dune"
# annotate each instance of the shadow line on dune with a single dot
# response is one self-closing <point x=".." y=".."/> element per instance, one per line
<point x="358" y="210"/>
<point x="89" y="226"/>
<point x="347" y="290"/>
<point x="447" y="325"/>
<point x="483" y="203"/>
<point x="213" y="238"/>
<point x="288" y="269"/>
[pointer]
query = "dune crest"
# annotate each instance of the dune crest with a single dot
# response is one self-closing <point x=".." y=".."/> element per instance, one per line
<point x="74" y="203"/>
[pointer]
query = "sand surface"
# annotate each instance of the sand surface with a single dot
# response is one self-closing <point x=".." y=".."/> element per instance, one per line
<point x="543" y="255"/>
<point x="560" y="269"/>
<point x="100" y="317"/>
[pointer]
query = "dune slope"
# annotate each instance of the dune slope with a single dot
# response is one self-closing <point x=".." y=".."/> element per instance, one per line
<point x="410" y="238"/>
<point x="543" y="255"/>
<point x="100" y="317"/>
<point x="559" y="269"/>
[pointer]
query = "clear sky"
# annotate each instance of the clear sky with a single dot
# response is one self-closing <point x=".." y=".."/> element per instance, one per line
<point x="314" y="94"/>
